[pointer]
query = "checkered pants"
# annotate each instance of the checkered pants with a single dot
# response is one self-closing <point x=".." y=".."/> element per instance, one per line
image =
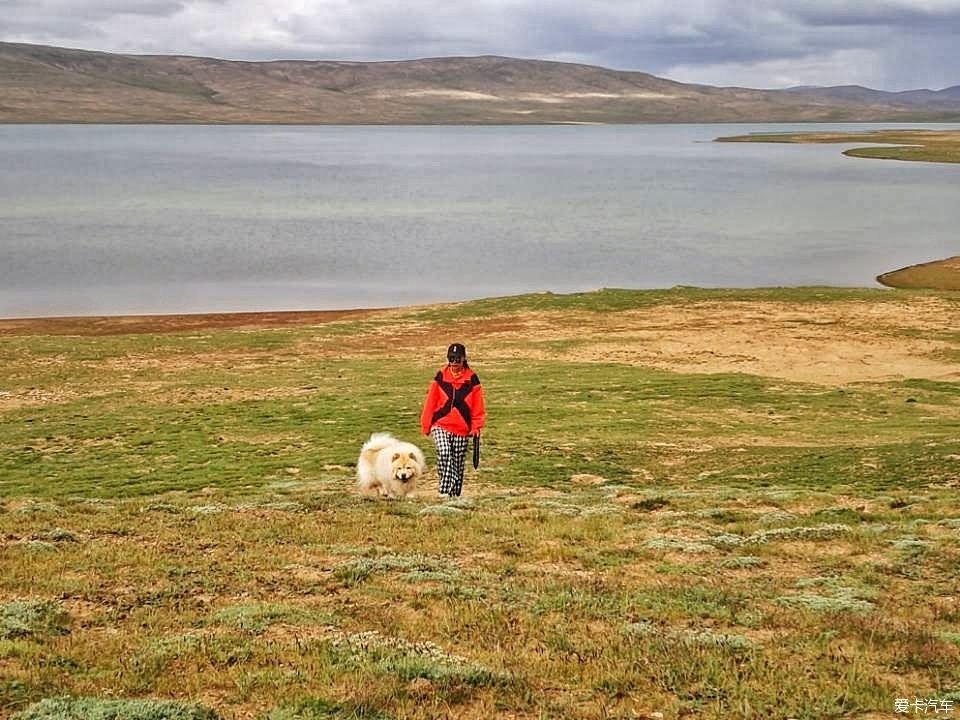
<point x="451" y="451"/>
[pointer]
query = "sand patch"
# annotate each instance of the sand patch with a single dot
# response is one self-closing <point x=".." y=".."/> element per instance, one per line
<point x="829" y="344"/>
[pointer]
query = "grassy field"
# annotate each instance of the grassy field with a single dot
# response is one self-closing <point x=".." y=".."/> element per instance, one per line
<point x="703" y="504"/>
<point x="922" y="145"/>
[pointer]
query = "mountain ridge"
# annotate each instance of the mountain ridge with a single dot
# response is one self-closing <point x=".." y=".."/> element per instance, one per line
<point x="41" y="83"/>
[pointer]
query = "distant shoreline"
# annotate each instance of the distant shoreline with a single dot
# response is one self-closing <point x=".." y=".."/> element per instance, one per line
<point x="934" y="275"/>
<point x="97" y="325"/>
<point x="939" y="146"/>
<point x="937" y="275"/>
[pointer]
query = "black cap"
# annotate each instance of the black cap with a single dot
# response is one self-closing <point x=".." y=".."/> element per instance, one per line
<point x="456" y="350"/>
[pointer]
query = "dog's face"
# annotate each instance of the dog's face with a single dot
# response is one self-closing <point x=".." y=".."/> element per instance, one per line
<point x="405" y="467"/>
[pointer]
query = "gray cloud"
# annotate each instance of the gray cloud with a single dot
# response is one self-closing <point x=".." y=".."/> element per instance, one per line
<point x="81" y="10"/>
<point x="888" y="44"/>
<point x="75" y="22"/>
<point x="894" y="14"/>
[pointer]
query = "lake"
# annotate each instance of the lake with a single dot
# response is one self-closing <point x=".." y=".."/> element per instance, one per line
<point x="99" y="219"/>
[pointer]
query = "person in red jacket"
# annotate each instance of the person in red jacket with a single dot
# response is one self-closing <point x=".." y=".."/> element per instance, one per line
<point x="453" y="411"/>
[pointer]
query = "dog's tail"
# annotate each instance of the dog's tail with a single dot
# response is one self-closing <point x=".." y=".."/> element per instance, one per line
<point x="378" y="441"/>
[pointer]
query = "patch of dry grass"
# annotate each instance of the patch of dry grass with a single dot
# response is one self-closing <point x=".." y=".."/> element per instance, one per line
<point x="939" y="275"/>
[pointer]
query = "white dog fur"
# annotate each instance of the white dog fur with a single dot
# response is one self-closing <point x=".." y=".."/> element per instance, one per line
<point x="389" y="467"/>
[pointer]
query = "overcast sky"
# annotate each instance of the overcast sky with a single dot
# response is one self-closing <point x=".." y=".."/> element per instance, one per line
<point x="884" y="44"/>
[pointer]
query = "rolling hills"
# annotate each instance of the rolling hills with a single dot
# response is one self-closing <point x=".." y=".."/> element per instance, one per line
<point x="41" y="84"/>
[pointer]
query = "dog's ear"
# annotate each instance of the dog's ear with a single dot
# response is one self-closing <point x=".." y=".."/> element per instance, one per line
<point x="396" y="456"/>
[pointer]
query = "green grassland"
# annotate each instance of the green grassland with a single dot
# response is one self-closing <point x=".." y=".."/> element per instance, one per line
<point x="180" y="538"/>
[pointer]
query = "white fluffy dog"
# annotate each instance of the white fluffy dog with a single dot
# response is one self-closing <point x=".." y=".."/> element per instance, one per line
<point x="389" y="466"/>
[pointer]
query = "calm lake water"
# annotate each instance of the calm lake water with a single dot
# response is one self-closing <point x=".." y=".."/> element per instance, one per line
<point x="161" y="219"/>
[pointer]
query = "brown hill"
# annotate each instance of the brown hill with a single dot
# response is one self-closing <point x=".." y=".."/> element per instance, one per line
<point x="48" y="84"/>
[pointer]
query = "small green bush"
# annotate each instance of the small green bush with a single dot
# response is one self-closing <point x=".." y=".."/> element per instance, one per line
<point x="356" y="571"/>
<point x="407" y="660"/>
<point x="257" y="617"/>
<point x="97" y="709"/>
<point x="674" y="545"/>
<point x="58" y="535"/>
<point x="820" y="603"/>
<point x="23" y="618"/>
<point x="762" y="537"/>
<point x="320" y="709"/>
<point x="691" y="638"/>
<point x="742" y="561"/>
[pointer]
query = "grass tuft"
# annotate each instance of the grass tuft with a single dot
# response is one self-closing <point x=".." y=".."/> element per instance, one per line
<point x="58" y="535"/>
<point x="408" y="661"/>
<point x="359" y="569"/>
<point x="833" y="603"/>
<point x="744" y="561"/>
<point x="320" y="709"/>
<point x="442" y="511"/>
<point x="669" y="544"/>
<point x="841" y="597"/>
<point x="689" y="637"/>
<point x="256" y="618"/>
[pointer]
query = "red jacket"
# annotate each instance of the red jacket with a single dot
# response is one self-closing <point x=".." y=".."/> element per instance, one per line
<point x="454" y="403"/>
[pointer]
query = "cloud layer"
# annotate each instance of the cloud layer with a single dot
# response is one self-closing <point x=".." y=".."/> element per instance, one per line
<point x="885" y="44"/>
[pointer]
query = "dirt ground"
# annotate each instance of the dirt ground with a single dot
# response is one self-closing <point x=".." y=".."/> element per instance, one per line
<point x="830" y="343"/>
